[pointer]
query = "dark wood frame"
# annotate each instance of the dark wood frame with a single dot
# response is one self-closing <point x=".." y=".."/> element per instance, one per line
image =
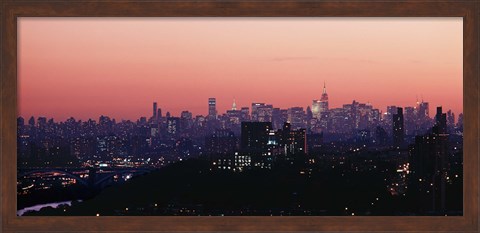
<point x="10" y="10"/>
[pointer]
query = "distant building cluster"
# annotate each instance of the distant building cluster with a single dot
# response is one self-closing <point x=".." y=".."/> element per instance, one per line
<point x="427" y="151"/>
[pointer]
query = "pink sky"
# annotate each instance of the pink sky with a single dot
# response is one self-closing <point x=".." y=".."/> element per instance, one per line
<point x="87" y="67"/>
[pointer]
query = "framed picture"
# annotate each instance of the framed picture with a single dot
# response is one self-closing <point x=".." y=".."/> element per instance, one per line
<point x="240" y="116"/>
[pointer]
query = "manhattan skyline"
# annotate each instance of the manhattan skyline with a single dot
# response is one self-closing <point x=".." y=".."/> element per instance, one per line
<point x="110" y="66"/>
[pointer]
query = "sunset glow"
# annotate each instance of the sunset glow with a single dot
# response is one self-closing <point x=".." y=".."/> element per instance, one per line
<point x="87" y="67"/>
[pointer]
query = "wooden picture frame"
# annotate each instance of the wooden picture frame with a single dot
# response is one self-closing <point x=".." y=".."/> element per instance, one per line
<point x="11" y="10"/>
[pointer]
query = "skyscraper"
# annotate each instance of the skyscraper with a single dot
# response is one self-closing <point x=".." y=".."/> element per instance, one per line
<point x="316" y="109"/>
<point x="296" y="117"/>
<point x="254" y="136"/>
<point x="398" y="128"/>
<point x="324" y="100"/>
<point x="255" y="107"/>
<point x="212" y="108"/>
<point x="441" y="121"/>
<point x="154" y="111"/>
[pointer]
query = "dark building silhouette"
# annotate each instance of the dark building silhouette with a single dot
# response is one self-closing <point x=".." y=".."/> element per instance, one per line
<point x="255" y="136"/>
<point x="314" y="142"/>
<point x="381" y="136"/>
<point x="293" y="141"/>
<point x="398" y="128"/>
<point x="154" y="117"/>
<point x="222" y="142"/>
<point x="429" y="165"/>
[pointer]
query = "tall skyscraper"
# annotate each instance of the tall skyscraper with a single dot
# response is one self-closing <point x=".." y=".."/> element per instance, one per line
<point x="324" y="100"/>
<point x="441" y="121"/>
<point x="212" y="108"/>
<point x="398" y="128"/>
<point x="154" y="116"/>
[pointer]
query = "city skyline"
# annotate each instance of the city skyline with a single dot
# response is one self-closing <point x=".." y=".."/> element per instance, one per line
<point x="237" y="108"/>
<point x="118" y="67"/>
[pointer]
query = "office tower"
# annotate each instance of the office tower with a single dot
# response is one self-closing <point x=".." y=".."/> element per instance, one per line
<point x="423" y="110"/>
<point x="254" y="136"/>
<point x="316" y="109"/>
<point x="441" y="121"/>
<point x="154" y="111"/>
<point x="173" y="125"/>
<point x="296" y="117"/>
<point x="186" y="120"/>
<point x="244" y="114"/>
<point x="264" y="113"/>
<point x="221" y="142"/>
<point x="255" y="107"/>
<point x="388" y="118"/>
<point x="277" y="121"/>
<point x="212" y="108"/>
<point x="293" y="141"/>
<point x="398" y="128"/>
<point x="324" y="100"/>
<point x="450" y="120"/>
<point x="409" y="121"/>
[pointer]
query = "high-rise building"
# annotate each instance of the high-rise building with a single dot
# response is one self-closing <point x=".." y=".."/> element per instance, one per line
<point x="254" y="136"/>
<point x="324" y="100"/>
<point x="316" y="109"/>
<point x="154" y="116"/>
<point x="441" y="121"/>
<point x="264" y="113"/>
<point x="293" y="141"/>
<point x="398" y="128"/>
<point x="173" y="125"/>
<point x="221" y="142"/>
<point x="450" y="120"/>
<point x="244" y="114"/>
<point x="429" y="165"/>
<point x="409" y="120"/>
<point x="296" y="117"/>
<point x="212" y="108"/>
<point x="255" y="107"/>
<point x="423" y="110"/>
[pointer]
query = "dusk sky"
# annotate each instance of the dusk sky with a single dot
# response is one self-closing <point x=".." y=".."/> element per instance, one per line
<point x="87" y="67"/>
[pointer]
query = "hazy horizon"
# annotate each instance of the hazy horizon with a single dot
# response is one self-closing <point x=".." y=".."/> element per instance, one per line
<point x="87" y="67"/>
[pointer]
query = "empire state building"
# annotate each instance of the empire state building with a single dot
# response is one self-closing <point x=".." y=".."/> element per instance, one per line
<point x="324" y="100"/>
<point x="320" y="106"/>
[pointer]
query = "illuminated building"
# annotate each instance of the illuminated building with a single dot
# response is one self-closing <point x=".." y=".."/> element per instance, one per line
<point x="324" y="100"/>
<point x="212" y="108"/>
<point x="296" y="117"/>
